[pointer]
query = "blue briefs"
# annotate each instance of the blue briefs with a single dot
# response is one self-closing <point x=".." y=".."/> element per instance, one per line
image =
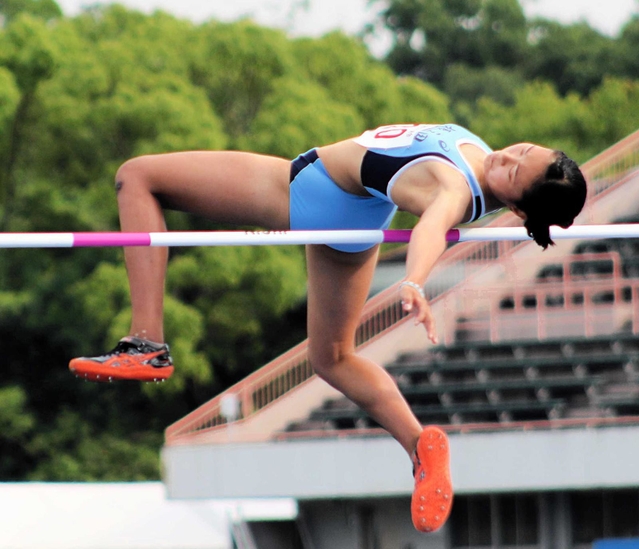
<point x="318" y="203"/>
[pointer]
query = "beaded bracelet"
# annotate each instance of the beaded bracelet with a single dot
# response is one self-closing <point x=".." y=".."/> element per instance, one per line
<point x="413" y="285"/>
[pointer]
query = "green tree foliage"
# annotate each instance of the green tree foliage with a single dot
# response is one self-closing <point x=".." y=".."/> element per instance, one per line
<point x="16" y="427"/>
<point x="538" y="115"/>
<point x="73" y="449"/>
<point x="628" y="45"/>
<point x="574" y="57"/>
<point x="418" y="102"/>
<point x="237" y="66"/>
<point x="299" y="114"/>
<point x="467" y="85"/>
<point x="9" y="100"/>
<point x="582" y="128"/>
<point x="436" y="39"/>
<point x="44" y="9"/>
<point x="27" y="51"/>
<point x="613" y="113"/>
<point x="477" y="33"/>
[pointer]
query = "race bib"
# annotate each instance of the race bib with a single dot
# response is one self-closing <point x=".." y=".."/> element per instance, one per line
<point x="392" y="137"/>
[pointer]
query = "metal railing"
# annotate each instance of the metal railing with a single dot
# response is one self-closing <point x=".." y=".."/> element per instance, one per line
<point x="577" y="305"/>
<point x="527" y="425"/>
<point x="265" y="386"/>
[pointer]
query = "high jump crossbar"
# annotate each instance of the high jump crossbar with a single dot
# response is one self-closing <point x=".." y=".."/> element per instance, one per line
<point x="269" y="238"/>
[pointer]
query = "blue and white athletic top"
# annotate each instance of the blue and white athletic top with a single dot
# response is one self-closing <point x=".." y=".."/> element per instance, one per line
<point x="393" y="149"/>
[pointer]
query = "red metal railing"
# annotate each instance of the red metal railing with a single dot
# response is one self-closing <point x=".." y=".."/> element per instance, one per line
<point x="532" y="425"/>
<point x="577" y="305"/>
<point x="260" y="389"/>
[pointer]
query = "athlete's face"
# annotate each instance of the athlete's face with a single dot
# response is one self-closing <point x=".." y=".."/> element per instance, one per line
<point x="511" y="171"/>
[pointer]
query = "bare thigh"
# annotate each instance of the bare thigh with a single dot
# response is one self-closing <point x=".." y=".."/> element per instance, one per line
<point x="338" y="287"/>
<point x="226" y="186"/>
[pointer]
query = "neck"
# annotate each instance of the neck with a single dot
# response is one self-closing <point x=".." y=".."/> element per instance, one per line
<point x="491" y="201"/>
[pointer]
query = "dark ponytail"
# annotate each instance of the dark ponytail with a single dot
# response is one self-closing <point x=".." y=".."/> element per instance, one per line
<point x="555" y="199"/>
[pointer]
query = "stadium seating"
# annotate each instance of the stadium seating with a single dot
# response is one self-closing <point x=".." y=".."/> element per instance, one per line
<point x="526" y="380"/>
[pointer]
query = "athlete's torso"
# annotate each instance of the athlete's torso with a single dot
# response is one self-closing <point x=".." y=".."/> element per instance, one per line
<point x="391" y="150"/>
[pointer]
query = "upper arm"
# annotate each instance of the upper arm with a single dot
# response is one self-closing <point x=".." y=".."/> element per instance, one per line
<point x="428" y="238"/>
<point x="434" y="191"/>
<point x="446" y="210"/>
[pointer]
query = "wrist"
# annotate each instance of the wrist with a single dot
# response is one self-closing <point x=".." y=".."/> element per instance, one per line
<point x="413" y="285"/>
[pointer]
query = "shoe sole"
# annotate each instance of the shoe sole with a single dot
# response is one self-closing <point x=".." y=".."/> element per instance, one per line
<point x="92" y="371"/>
<point x="432" y="498"/>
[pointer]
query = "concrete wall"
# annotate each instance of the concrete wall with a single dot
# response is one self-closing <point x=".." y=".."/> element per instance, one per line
<point x="377" y="466"/>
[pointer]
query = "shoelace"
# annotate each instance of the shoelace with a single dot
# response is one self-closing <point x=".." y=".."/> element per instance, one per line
<point x="125" y="347"/>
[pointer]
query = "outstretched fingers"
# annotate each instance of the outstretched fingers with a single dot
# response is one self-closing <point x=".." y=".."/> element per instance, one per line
<point x="413" y="301"/>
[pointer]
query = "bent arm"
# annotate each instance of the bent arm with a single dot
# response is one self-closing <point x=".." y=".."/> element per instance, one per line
<point x="427" y="243"/>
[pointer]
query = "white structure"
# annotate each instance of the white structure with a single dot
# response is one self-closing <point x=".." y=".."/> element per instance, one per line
<point x="121" y="516"/>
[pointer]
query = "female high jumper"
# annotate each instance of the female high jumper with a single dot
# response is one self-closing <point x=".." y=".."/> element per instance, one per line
<point x="443" y="174"/>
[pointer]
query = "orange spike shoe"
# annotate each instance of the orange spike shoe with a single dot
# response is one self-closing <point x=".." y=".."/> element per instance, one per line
<point x="133" y="358"/>
<point x="432" y="498"/>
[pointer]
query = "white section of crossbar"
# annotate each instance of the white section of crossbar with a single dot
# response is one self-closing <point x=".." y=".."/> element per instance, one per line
<point x="271" y="238"/>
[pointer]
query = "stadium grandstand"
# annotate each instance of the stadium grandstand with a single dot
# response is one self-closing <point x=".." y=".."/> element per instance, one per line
<point x="536" y="381"/>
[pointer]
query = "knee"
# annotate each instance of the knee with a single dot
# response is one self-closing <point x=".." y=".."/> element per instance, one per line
<point x="131" y="175"/>
<point x="324" y="360"/>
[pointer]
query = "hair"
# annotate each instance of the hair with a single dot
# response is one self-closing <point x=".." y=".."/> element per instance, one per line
<point x="556" y="198"/>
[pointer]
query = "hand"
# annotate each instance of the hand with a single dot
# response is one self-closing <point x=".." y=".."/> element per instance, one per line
<point x="413" y="301"/>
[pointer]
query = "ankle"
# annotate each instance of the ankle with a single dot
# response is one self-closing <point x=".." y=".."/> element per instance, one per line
<point x="413" y="446"/>
<point x="148" y="336"/>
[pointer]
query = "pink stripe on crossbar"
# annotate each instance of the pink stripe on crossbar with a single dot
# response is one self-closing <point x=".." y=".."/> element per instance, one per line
<point x="83" y="240"/>
<point x="453" y="235"/>
<point x="396" y="235"/>
<point x="403" y="235"/>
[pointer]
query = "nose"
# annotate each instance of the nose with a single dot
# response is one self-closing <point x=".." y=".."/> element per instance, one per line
<point x="506" y="157"/>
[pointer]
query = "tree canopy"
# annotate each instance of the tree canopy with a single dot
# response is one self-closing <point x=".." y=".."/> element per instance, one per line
<point x="476" y="48"/>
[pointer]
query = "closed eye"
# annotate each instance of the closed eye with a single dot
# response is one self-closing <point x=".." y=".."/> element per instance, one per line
<point x="524" y="152"/>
